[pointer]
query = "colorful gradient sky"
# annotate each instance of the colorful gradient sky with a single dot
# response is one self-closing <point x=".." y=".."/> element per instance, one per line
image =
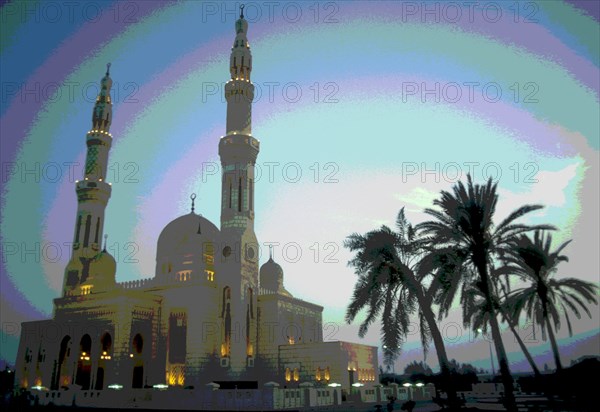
<point x="368" y="99"/>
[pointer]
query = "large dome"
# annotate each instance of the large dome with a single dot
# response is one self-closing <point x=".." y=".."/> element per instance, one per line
<point x="187" y="233"/>
<point x="187" y="245"/>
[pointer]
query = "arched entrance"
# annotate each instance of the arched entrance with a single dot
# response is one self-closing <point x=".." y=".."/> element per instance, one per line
<point x="105" y="357"/>
<point x="63" y="373"/>
<point x="84" y="363"/>
<point x="137" y="346"/>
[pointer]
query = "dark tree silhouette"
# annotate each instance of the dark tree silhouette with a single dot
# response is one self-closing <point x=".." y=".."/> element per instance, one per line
<point x="418" y="368"/>
<point x="465" y="222"/>
<point x="391" y="268"/>
<point x="476" y="314"/>
<point x="545" y="297"/>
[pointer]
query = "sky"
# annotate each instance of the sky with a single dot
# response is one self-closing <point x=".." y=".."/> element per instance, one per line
<point x="362" y="108"/>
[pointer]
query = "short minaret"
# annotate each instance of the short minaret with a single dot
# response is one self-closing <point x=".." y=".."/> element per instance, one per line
<point x="93" y="191"/>
<point x="238" y="151"/>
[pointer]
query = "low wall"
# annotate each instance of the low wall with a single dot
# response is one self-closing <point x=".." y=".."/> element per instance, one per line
<point x="272" y="398"/>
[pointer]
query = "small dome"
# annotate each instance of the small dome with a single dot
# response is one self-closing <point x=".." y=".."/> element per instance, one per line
<point x="103" y="264"/>
<point x="102" y="271"/>
<point x="186" y="234"/>
<point x="271" y="270"/>
<point x="271" y="277"/>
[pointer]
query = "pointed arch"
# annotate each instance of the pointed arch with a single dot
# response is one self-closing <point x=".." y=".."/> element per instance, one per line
<point x="62" y="373"/>
<point x="84" y="364"/>
<point x="137" y="348"/>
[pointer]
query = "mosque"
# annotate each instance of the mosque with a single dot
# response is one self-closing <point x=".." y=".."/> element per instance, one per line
<point x="209" y="315"/>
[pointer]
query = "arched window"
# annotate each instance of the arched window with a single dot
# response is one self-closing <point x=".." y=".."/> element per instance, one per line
<point x="226" y="315"/>
<point x="137" y="346"/>
<point x="78" y="229"/>
<point x="177" y="337"/>
<point x="86" y="236"/>
<point x="251" y="299"/>
<point x="251" y="194"/>
<point x="97" y="231"/>
<point x="240" y="195"/>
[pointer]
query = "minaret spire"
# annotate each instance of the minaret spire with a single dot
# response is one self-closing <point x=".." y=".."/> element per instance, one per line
<point x="238" y="149"/>
<point x="93" y="191"/>
<point x="193" y="197"/>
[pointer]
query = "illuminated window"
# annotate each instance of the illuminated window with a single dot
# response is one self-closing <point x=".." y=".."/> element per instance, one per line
<point x="318" y="374"/>
<point x="288" y="375"/>
<point x="184" y="275"/>
<point x="175" y="375"/>
<point x="327" y="374"/>
<point x="210" y="275"/>
<point x="296" y="375"/>
<point x="86" y="290"/>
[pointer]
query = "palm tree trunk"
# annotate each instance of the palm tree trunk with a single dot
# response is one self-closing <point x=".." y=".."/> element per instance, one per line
<point x="438" y="342"/>
<point x="553" y="343"/>
<point x="440" y="348"/>
<point x="507" y="380"/>
<point x="528" y="356"/>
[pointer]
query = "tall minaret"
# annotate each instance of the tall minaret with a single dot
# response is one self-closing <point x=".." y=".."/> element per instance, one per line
<point x="93" y="191"/>
<point x="238" y="151"/>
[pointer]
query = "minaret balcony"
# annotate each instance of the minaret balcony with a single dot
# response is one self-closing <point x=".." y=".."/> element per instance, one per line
<point x="235" y="147"/>
<point x="92" y="189"/>
<point x="239" y="89"/>
<point x="98" y="137"/>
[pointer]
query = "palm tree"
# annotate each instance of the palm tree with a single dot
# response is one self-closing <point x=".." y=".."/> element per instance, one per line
<point x="477" y="316"/>
<point x="389" y="266"/>
<point x="545" y="297"/>
<point x="466" y="224"/>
